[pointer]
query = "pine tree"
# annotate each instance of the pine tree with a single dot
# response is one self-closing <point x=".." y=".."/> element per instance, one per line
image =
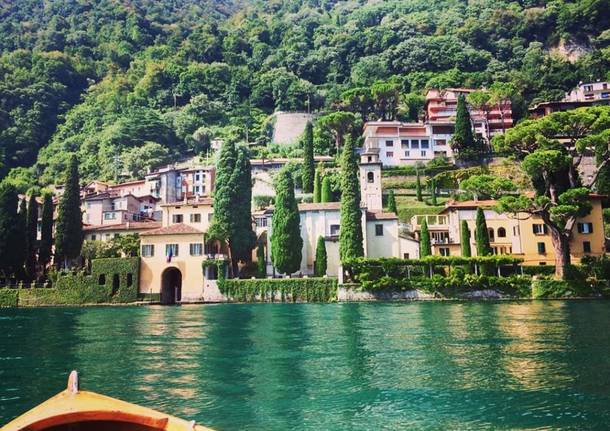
<point x="350" y="234"/>
<point x="481" y="235"/>
<point x="465" y="239"/>
<point x="9" y="230"/>
<point x="418" y="188"/>
<point x="463" y="139"/>
<point x="391" y="202"/>
<point x="433" y="200"/>
<point x="317" y="186"/>
<point x="321" y="262"/>
<point x="46" y="232"/>
<point x="327" y="194"/>
<point x="32" y="230"/>
<point x="69" y="231"/>
<point x="308" y="161"/>
<point x="261" y="264"/>
<point x="286" y="241"/>
<point x="242" y="238"/>
<point x="425" y="246"/>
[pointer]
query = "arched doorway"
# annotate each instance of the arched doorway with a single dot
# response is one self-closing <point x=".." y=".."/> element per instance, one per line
<point x="171" y="286"/>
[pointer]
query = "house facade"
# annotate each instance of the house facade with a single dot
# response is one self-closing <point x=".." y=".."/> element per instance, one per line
<point x="585" y="94"/>
<point x="520" y="235"/>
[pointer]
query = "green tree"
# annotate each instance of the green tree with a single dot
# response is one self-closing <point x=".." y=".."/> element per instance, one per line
<point x="465" y="239"/>
<point x="425" y="246"/>
<point x="286" y="241"/>
<point x="46" y="231"/>
<point x="21" y="248"/>
<point x="32" y="230"/>
<point x="463" y="142"/>
<point x="317" y="186"/>
<point x="481" y="234"/>
<point x="224" y="193"/>
<point x="391" y="201"/>
<point x="420" y="198"/>
<point x="350" y="234"/>
<point x="320" y="264"/>
<point x="9" y="230"/>
<point x="261" y="263"/>
<point x="433" y="199"/>
<point x="327" y="193"/>
<point x="69" y="231"/>
<point x="308" y="167"/>
<point x="339" y="123"/>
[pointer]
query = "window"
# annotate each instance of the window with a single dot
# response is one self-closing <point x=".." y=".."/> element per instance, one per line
<point x="515" y="230"/>
<point x="261" y="221"/>
<point x="588" y="88"/>
<point x="370" y="177"/>
<point x="116" y="283"/>
<point x="177" y="218"/>
<point x="444" y="251"/>
<point x="541" y="248"/>
<point x="148" y="250"/>
<point x="370" y="159"/>
<point x="539" y="229"/>
<point x="440" y="142"/>
<point x="586" y="247"/>
<point x="414" y="143"/>
<point x="423" y="153"/>
<point x="334" y="229"/>
<point x="196" y="190"/>
<point x="501" y="232"/>
<point x="407" y="153"/>
<point x="197" y="177"/>
<point x="425" y="143"/>
<point x="404" y="143"/>
<point x="585" y="227"/>
<point x="109" y="216"/>
<point x="378" y="230"/>
<point x="389" y="154"/>
<point x="93" y="237"/>
<point x="389" y="143"/>
<point x="129" y="279"/>
<point x="405" y="255"/>
<point x="196" y="249"/>
<point x="195" y="218"/>
<point x="171" y="250"/>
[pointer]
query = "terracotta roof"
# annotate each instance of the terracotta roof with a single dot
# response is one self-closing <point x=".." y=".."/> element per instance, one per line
<point x="174" y="229"/>
<point x="132" y="225"/>
<point x="469" y="204"/>
<point x="128" y="183"/>
<point x="331" y="206"/>
<point x="194" y="201"/>
<point x="379" y="215"/>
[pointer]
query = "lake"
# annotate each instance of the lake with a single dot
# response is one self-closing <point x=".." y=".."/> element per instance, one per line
<point x="367" y="366"/>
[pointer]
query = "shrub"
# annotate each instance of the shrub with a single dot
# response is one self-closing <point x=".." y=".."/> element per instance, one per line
<point x="285" y="289"/>
<point x="9" y="297"/>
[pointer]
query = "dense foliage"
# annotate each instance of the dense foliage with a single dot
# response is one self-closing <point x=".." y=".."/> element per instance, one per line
<point x="350" y="235"/>
<point x="69" y="227"/>
<point x="106" y="79"/>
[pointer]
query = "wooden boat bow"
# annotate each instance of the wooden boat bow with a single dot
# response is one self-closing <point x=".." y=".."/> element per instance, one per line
<point x="76" y="410"/>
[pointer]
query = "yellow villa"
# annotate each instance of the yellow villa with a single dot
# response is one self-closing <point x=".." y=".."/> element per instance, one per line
<point x="520" y="235"/>
<point x="172" y="255"/>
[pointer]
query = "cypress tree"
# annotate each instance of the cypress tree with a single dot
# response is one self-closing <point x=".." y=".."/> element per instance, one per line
<point x="261" y="264"/>
<point x="391" y="202"/>
<point x="20" y="248"/>
<point x="327" y="194"/>
<point x="418" y="188"/>
<point x="350" y="234"/>
<point x="286" y="241"/>
<point x="9" y="232"/>
<point x="69" y="231"/>
<point x="433" y="200"/>
<point x="242" y="238"/>
<point x="224" y="193"/>
<point x="32" y="229"/>
<point x="425" y="246"/>
<point x="46" y="231"/>
<point x="463" y="139"/>
<point x="317" y="186"/>
<point x="465" y="239"/>
<point x="321" y="262"/>
<point x="308" y="161"/>
<point x="481" y="234"/>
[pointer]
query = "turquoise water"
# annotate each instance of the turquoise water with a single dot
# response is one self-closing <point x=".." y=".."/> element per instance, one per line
<point x="439" y="365"/>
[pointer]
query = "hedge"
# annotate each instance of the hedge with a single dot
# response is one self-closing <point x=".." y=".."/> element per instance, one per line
<point x="282" y="290"/>
<point x="9" y="297"/>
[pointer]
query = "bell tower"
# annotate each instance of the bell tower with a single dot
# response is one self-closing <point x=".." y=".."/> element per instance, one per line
<point x="370" y="180"/>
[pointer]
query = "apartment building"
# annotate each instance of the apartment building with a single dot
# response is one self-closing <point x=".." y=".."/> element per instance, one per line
<point x="520" y="235"/>
<point x="585" y="94"/>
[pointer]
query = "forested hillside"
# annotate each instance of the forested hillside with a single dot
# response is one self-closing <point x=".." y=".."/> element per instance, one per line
<point x="129" y="84"/>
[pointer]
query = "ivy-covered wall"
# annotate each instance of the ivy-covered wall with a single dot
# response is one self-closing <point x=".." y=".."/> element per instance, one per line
<point x="280" y="290"/>
<point x="112" y="280"/>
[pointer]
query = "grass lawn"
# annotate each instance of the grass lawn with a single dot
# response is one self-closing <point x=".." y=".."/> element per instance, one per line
<point x="408" y="206"/>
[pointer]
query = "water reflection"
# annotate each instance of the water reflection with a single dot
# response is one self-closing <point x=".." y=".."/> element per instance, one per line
<point x="530" y="365"/>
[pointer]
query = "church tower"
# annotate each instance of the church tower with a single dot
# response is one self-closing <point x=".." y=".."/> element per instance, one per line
<point x="370" y="180"/>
